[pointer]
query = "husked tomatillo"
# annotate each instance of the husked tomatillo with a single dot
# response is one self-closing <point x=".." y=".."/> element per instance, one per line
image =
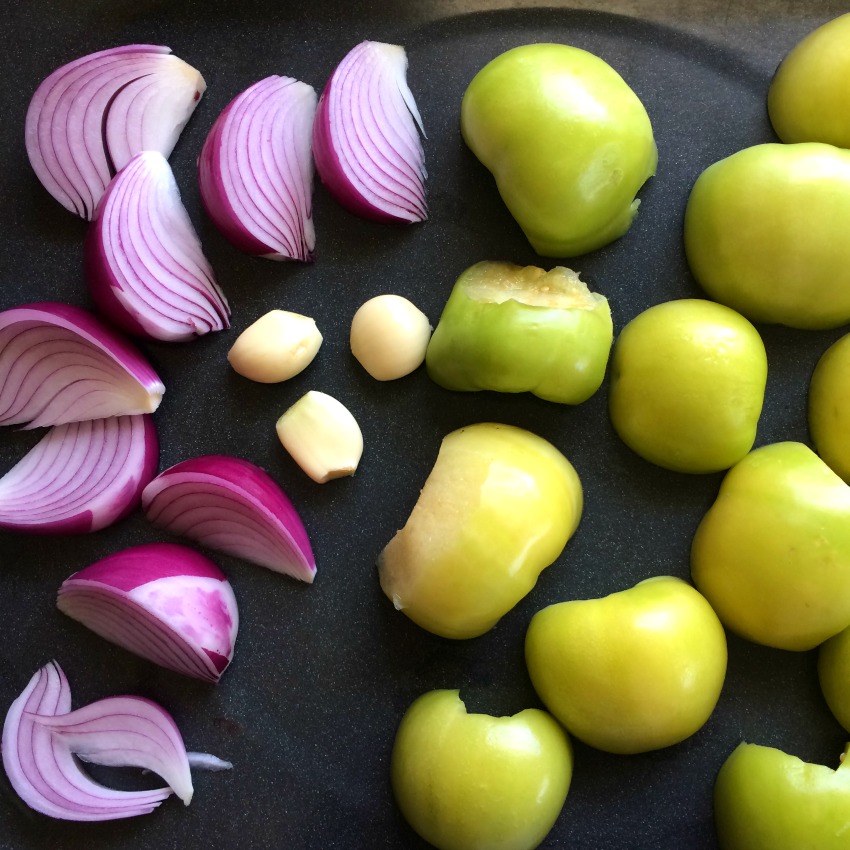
<point x="772" y="555"/>
<point x="765" y="799"/>
<point x="633" y="671"/>
<point x="569" y="143"/>
<point x="468" y="781"/>
<point x="766" y="234"/>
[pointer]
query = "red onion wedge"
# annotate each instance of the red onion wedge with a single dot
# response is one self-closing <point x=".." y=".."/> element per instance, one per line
<point x="90" y="117"/>
<point x="164" y="602"/>
<point x="255" y="170"/>
<point x="42" y="769"/>
<point x="144" y="263"/>
<point x="60" y="364"/>
<point x="233" y="506"/>
<point x="125" y="731"/>
<point x="365" y="141"/>
<point x="81" y="477"/>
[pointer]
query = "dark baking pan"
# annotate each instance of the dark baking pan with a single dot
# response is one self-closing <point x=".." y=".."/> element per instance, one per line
<point x="322" y="674"/>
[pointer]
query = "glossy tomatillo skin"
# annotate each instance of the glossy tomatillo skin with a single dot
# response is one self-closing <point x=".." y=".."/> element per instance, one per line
<point x="834" y="675"/>
<point x="687" y="385"/>
<point x="829" y="407"/>
<point x="765" y="799"/>
<point x="772" y="555"/>
<point x="568" y="142"/>
<point x="631" y="672"/>
<point x="475" y="782"/>
<point x="514" y="329"/>
<point x="499" y="506"/>
<point x="765" y="234"/>
<point x="809" y="98"/>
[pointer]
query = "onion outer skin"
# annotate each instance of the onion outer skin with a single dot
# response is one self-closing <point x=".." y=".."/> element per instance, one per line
<point x="64" y="474"/>
<point x="151" y="279"/>
<point x="83" y="369"/>
<point x="207" y="762"/>
<point x="162" y="601"/>
<point x="255" y="170"/>
<point x="384" y="180"/>
<point x="43" y="771"/>
<point x="87" y="119"/>
<point x="229" y="504"/>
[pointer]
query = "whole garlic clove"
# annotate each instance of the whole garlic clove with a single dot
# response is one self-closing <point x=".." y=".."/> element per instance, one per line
<point x="322" y="436"/>
<point x="276" y="347"/>
<point x="389" y="337"/>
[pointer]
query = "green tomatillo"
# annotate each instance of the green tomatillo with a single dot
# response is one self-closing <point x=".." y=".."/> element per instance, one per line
<point x="499" y="506"/>
<point x="772" y="555"/>
<point x="766" y="234"/>
<point x="809" y="97"/>
<point x="834" y="675"/>
<point x="475" y="782"/>
<point x="568" y="142"/>
<point x="829" y="407"/>
<point x="765" y="799"/>
<point x="631" y="672"/>
<point x="687" y="385"/>
<point x="522" y="329"/>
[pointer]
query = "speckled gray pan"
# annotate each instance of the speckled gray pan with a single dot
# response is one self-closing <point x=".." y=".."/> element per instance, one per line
<point x="322" y="674"/>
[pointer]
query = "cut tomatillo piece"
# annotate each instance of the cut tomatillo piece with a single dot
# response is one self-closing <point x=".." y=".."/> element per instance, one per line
<point x="765" y="799"/>
<point x="498" y="507"/>
<point x="520" y="329"/>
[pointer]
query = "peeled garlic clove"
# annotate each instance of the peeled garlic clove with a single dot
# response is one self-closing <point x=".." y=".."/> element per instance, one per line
<point x="276" y="347"/>
<point x="389" y="337"/>
<point x="322" y="436"/>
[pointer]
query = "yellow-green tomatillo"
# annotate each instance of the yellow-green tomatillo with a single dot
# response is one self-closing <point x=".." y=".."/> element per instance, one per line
<point x="520" y="329"/>
<point x="568" y="142"/>
<point x="687" y="385"/>
<point x="829" y="407"/>
<point x="834" y="675"/>
<point x="765" y="799"/>
<point x="772" y="555"/>
<point x="476" y="782"/>
<point x="809" y="97"/>
<point x="631" y="672"/>
<point x="499" y="506"/>
<point x="766" y="234"/>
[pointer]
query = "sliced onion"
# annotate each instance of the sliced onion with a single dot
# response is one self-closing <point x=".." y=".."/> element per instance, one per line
<point x="90" y="117"/>
<point x="233" y="506"/>
<point x="145" y="266"/>
<point x="255" y="170"/>
<point x="365" y="141"/>
<point x="60" y="364"/>
<point x="42" y="769"/>
<point x="81" y="477"/>
<point x="125" y="732"/>
<point x="164" y="602"/>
